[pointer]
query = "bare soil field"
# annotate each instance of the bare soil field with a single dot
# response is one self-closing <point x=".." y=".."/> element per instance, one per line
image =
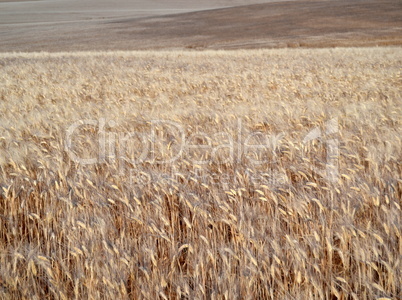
<point x="77" y="26"/>
<point x="244" y="174"/>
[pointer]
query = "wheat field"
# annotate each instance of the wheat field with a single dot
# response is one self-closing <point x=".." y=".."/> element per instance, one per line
<point x="259" y="174"/>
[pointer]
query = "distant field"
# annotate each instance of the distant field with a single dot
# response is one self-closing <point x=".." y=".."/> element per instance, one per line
<point x="259" y="174"/>
<point x="144" y="25"/>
